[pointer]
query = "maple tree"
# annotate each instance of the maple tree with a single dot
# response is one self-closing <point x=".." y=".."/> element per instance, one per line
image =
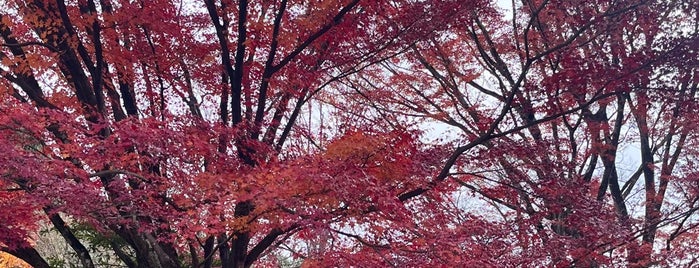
<point x="549" y="103"/>
<point x="232" y="133"/>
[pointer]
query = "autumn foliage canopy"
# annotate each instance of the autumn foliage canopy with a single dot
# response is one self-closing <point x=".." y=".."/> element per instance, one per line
<point x="402" y="133"/>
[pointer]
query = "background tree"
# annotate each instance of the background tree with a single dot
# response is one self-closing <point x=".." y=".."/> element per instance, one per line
<point x="573" y="120"/>
<point x="10" y="261"/>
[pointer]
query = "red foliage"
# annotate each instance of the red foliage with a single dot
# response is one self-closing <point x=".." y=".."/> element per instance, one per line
<point x="243" y="133"/>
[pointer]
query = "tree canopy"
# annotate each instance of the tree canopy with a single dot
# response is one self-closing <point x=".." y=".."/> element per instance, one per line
<point x="417" y="133"/>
